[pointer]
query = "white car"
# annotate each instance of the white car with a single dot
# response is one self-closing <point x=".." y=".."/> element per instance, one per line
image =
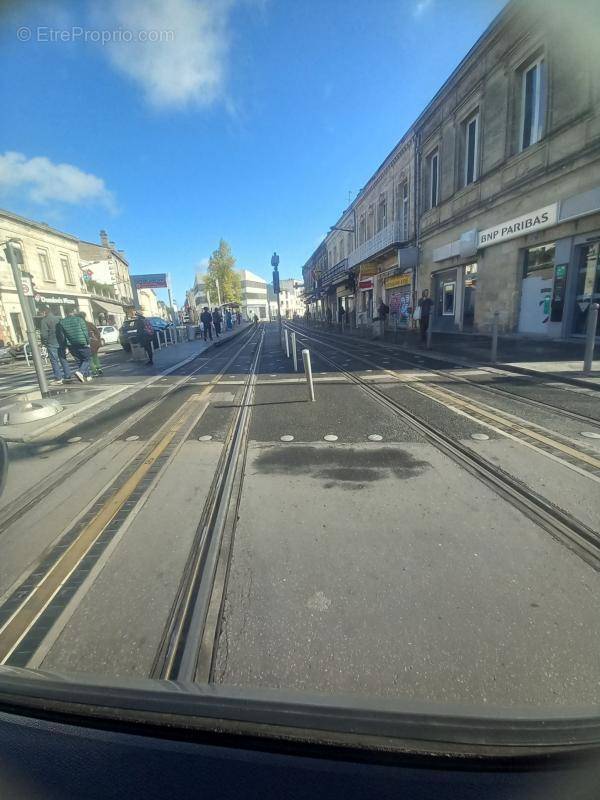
<point x="109" y="334"/>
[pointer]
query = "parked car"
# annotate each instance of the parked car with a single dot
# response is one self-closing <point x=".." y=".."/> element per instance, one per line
<point x="109" y="334"/>
<point x="128" y="333"/>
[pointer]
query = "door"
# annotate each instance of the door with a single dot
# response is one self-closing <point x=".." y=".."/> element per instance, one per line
<point x="588" y="287"/>
<point x="15" y="319"/>
<point x="444" y="301"/>
<point x="470" y="284"/>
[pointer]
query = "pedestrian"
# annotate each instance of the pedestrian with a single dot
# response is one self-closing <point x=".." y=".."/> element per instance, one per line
<point x="95" y="345"/>
<point x="72" y="331"/>
<point x="217" y="320"/>
<point x="145" y="335"/>
<point x="228" y="319"/>
<point x="425" y="304"/>
<point x="56" y="353"/>
<point x="206" y="319"/>
<point x="328" y="316"/>
<point x="341" y="313"/>
<point x="383" y="310"/>
<point x="238" y="316"/>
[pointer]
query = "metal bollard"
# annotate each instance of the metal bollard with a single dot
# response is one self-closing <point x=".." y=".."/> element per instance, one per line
<point x="309" y="376"/>
<point x="590" y="338"/>
<point x="294" y="352"/>
<point x="287" y="343"/>
<point x="494" y="353"/>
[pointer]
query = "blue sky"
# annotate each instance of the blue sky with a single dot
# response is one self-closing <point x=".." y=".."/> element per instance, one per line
<point x="252" y="121"/>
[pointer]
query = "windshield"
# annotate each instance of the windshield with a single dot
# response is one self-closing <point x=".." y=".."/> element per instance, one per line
<point x="299" y="325"/>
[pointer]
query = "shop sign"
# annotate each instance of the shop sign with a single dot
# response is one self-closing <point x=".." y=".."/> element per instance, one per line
<point x="398" y="280"/>
<point x="369" y="270"/>
<point x="365" y="283"/>
<point x="55" y="300"/>
<point x="155" y="281"/>
<point x="528" y="223"/>
<point x="27" y="287"/>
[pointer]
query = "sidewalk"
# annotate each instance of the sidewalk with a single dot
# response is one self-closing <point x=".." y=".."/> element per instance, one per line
<point x="89" y="399"/>
<point x="560" y="360"/>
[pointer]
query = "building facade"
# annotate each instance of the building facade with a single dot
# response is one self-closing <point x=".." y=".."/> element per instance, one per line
<point x="51" y="268"/>
<point x="254" y="295"/>
<point x="106" y="273"/>
<point x="491" y="200"/>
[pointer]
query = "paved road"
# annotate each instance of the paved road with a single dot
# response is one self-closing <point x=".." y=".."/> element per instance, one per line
<point x="369" y="563"/>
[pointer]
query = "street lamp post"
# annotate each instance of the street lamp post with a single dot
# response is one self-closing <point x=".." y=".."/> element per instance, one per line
<point x="275" y="265"/>
<point x="15" y="258"/>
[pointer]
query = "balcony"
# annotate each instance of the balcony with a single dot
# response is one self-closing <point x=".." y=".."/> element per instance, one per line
<point x="331" y="274"/>
<point x="390" y="236"/>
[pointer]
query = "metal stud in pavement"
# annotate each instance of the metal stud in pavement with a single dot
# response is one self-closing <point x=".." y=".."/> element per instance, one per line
<point x="132" y="438"/>
<point x="481" y="437"/>
<point x="74" y="439"/>
<point x="287" y="438"/>
<point x="330" y="437"/>
<point x="206" y="438"/>
<point x="375" y="437"/>
<point x="590" y="434"/>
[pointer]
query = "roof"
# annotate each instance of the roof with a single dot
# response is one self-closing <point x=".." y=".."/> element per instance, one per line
<point x="42" y="226"/>
<point x="246" y="275"/>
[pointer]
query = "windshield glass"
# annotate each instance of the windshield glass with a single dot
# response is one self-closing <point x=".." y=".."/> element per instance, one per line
<point x="299" y="377"/>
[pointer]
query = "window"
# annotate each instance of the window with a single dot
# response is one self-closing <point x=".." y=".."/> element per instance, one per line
<point x="539" y="259"/>
<point x="349" y="244"/>
<point x="405" y="211"/>
<point x="397" y="201"/>
<point x="335" y="254"/>
<point x="66" y="268"/>
<point x="470" y="131"/>
<point x="433" y="171"/>
<point x="448" y="292"/>
<point x="341" y="249"/>
<point x="371" y="222"/>
<point x="382" y="212"/>
<point x="362" y="234"/>
<point x="45" y="265"/>
<point x="533" y="104"/>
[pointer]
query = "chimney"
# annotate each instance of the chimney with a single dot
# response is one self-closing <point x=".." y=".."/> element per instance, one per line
<point x="112" y="245"/>
<point x="104" y="238"/>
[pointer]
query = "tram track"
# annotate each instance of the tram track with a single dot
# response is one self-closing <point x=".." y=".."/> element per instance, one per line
<point x="563" y="526"/>
<point x="38" y="604"/>
<point x="20" y="505"/>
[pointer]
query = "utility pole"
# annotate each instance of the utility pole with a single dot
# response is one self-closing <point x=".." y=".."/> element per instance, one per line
<point x="15" y="257"/>
<point x="275" y="265"/>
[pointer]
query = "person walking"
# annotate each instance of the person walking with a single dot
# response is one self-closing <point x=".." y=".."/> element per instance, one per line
<point x="217" y="320"/>
<point x="95" y="345"/>
<point x="72" y="331"/>
<point x="238" y="316"/>
<point x="145" y="335"/>
<point x="425" y="304"/>
<point x="228" y="319"/>
<point x="56" y="353"/>
<point x="206" y="319"/>
<point x="328" y="316"/>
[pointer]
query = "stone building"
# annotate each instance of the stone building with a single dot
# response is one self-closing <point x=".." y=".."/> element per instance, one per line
<point x="106" y="273"/>
<point x="492" y="198"/>
<point x="51" y="268"/>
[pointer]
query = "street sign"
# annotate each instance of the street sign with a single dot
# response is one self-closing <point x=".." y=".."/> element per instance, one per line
<point x="153" y="281"/>
<point x="27" y="287"/>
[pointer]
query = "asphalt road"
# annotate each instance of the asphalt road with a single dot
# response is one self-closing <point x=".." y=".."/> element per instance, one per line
<point x="366" y="562"/>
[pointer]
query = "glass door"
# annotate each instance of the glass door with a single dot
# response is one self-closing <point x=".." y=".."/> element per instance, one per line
<point x="470" y="284"/>
<point x="588" y="286"/>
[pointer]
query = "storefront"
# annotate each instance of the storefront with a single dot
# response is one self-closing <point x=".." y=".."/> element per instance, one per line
<point x="107" y="312"/>
<point x="398" y="296"/>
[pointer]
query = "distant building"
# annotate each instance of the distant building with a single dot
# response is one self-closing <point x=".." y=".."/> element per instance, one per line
<point x="51" y="264"/>
<point x="149" y="303"/>
<point x="106" y="273"/>
<point x="291" y="298"/>
<point x="254" y="295"/>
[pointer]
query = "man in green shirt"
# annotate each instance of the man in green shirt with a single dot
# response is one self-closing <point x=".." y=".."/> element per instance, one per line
<point x="75" y="333"/>
<point x="56" y="354"/>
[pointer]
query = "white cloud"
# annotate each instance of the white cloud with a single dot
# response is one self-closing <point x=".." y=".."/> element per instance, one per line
<point x="187" y="65"/>
<point x="421" y="7"/>
<point x="42" y="181"/>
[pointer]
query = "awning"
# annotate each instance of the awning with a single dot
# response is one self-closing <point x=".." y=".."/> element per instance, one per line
<point x="106" y="305"/>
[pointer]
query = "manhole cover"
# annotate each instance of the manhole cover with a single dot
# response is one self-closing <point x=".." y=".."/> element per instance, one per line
<point x="74" y="439"/>
<point x="480" y="437"/>
<point x="132" y="438"/>
<point x="330" y="437"/>
<point x="375" y="437"/>
<point x="206" y="438"/>
<point x="287" y="438"/>
<point x="29" y="411"/>
<point x="590" y="434"/>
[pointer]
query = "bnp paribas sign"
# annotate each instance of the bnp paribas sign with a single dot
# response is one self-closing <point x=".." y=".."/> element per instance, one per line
<point x="519" y="226"/>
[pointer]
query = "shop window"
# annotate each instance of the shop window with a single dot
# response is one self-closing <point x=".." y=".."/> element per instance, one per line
<point x="539" y="260"/>
<point x="533" y="102"/>
<point x="448" y="295"/>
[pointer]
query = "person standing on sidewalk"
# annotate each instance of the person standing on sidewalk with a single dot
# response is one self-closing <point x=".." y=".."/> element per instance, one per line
<point x="425" y="304"/>
<point x="77" y="337"/>
<point x="56" y="353"/>
<point x="217" y="320"/>
<point x="206" y="319"/>
<point x="95" y="344"/>
<point x="145" y="335"/>
<point x="228" y="319"/>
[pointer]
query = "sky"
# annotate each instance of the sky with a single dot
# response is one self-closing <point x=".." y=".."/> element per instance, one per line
<point x="175" y="123"/>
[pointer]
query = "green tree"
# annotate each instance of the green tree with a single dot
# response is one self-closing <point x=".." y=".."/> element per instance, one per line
<point x="221" y="267"/>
